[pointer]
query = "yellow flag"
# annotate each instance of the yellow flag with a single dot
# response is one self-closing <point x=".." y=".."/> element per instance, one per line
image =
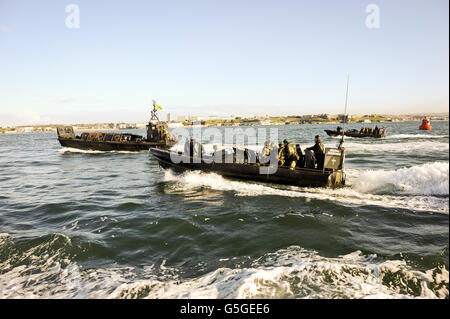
<point x="158" y="107"/>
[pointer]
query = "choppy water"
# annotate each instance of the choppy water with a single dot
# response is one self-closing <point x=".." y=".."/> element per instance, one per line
<point x="99" y="224"/>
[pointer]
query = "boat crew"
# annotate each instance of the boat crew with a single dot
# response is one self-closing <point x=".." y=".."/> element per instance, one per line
<point x="280" y="154"/>
<point x="301" y="158"/>
<point x="287" y="155"/>
<point x="319" y="155"/>
<point x="265" y="153"/>
<point x="217" y="154"/>
<point x="189" y="147"/>
<point x="249" y="156"/>
<point x="199" y="149"/>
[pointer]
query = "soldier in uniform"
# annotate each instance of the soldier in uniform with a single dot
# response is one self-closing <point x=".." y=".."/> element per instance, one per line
<point x="198" y="149"/>
<point x="246" y="155"/>
<point x="189" y="147"/>
<point x="217" y="155"/>
<point x="265" y="153"/>
<point x="288" y="155"/>
<point x="376" y="131"/>
<point x="280" y="154"/>
<point x="318" y="150"/>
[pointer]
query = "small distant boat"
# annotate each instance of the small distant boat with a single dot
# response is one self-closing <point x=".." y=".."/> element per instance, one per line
<point x="363" y="132"/>
<point x="425" y="124"/>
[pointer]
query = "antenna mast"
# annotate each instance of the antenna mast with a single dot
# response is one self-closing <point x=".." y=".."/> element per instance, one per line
<point x="154" y="110"/>
<point x="345" y="113"/>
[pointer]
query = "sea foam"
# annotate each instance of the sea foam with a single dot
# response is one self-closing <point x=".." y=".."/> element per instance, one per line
<point x="425" y="179"/>
<point x="400" y="147"/>
<point x="77" y="150"/>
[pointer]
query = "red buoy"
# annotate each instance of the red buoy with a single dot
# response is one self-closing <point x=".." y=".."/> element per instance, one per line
<point x="425" y="124"/>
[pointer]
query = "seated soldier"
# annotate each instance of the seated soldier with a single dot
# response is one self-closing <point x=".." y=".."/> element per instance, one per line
<point x="310" y="160"/>
<point x="289" y="155"/>
<point x="301" y="158"/>
<point x="198" y="149"/>
<point x="234" y="154"/>
<point x="189" y="147"/>
<point x="280" y="155"/>
<point x="246" y="156"/>
<point x="318" y="149"/>
<point x="265" y="153"/>
<point x="273" y="150"/>
<point x="218" y="155"/>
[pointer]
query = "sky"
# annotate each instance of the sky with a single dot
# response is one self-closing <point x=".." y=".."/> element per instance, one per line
<point x="220" y="57"/>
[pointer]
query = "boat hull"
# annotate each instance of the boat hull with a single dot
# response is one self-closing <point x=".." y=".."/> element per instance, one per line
<point x="302" y="177"/>
<point x="110" y="145"/>
<point x="100" y="141"/>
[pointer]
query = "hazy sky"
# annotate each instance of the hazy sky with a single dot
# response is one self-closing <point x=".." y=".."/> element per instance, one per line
<point x="222" y="57"/>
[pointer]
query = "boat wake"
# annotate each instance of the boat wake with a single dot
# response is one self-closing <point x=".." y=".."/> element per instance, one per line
<point x="426" y="179"/>
<point x="401" y="147"/>
<point x="418" y="188"/>
<point x="65" y="150"/>
<point x="298" y="273"/>
<point x="397" y="136"/>
<point x="415" y="136"/>
<point x="46" y="271"/>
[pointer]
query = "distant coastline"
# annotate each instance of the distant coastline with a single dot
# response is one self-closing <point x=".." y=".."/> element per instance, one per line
<point x="235" y="121"/>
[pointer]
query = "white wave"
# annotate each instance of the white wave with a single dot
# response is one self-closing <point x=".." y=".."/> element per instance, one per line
<point x="395" y="136"/>
<point x="421" y="136"/>
<point x="298" y="273"/>
<point x="409" y="187"/>
<point x="425" y="179"/>
<point x="293" y="272"/>
<point x="77" y="150"/>
<point x="402" y="147"/>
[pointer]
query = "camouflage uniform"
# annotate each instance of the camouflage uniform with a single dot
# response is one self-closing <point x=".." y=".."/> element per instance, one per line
<point x="265" y="153"/>
<point x="288" y="155"/>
